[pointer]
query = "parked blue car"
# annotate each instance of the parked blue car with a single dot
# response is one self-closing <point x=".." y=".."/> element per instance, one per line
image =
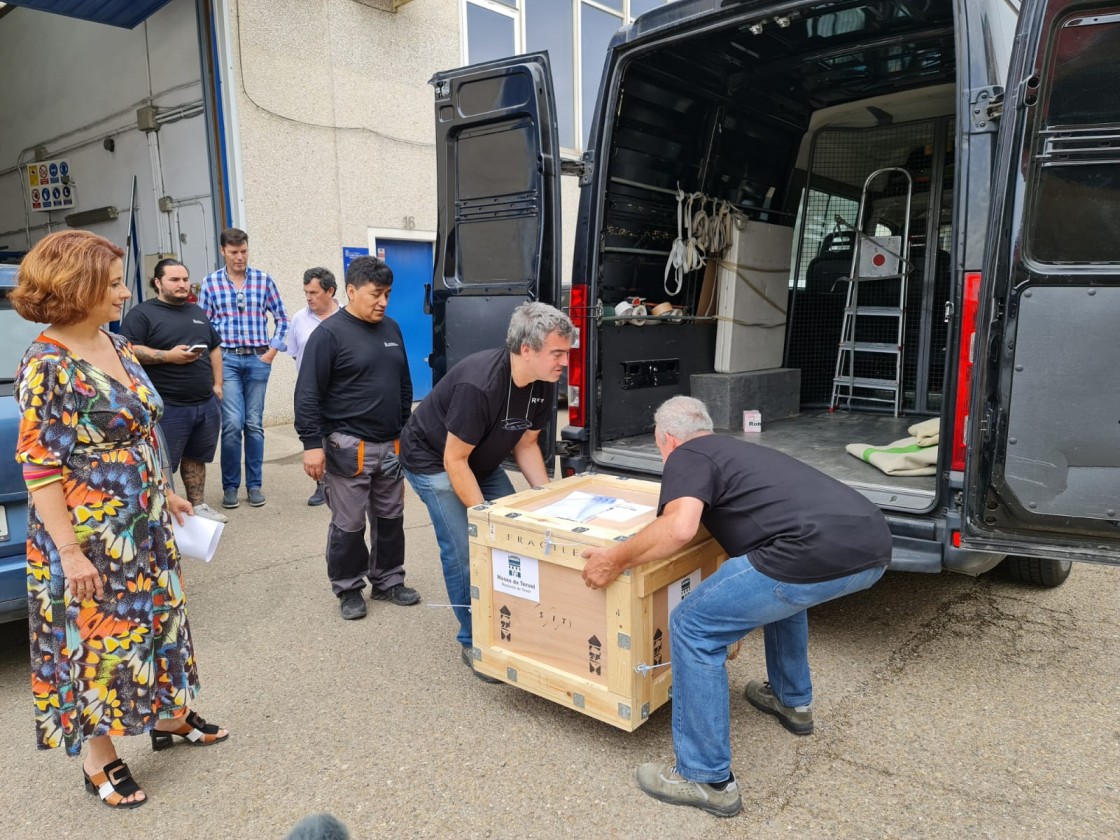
<point x="15" y="335"/>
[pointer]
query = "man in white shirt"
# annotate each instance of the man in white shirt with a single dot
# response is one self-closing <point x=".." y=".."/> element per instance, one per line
<point x="319" y="287"/>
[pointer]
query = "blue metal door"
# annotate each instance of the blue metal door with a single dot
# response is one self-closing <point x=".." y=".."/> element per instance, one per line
<point x="411" y="262"/>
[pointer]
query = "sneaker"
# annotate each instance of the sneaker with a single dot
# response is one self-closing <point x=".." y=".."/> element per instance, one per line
<point x="663" y="782"/>
<point x="317" y="498"/>
<point x="469" y="662"/>
<point x="401" y="595"/>
<point x="797" y="719"/>
<point x="229" y="498"/>
<point x="352" y="604"/>
<point x="256" y="497"/>
<point x="206" y="512"/>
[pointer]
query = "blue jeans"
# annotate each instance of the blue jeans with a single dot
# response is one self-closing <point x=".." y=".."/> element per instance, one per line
<point x="449" y="519"/>
<point x="244" y="381"/>
<point x="724" y="608"/>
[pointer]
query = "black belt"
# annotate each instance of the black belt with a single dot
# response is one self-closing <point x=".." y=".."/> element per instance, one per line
<point x="245" y="351"/>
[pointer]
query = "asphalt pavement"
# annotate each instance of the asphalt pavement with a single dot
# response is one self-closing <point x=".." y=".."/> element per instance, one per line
<point x="945" y="707"/>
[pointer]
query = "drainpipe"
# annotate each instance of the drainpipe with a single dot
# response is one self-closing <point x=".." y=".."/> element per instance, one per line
<point x="147" y="121"/>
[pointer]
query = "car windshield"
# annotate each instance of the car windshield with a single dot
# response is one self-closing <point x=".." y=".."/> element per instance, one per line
<point x="17" y="335"/>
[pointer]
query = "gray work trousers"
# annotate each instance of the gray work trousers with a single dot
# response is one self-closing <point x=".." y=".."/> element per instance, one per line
<point x="364" y="481"/>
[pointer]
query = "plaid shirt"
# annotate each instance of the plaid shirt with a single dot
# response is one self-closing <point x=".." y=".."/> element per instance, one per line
<point x="241" y="317"/>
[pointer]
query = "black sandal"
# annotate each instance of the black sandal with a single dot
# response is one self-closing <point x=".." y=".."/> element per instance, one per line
<point x="114" y="780"/>
<point x="194" y="730"/>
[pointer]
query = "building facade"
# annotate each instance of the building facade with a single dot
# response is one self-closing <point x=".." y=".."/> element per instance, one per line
<point x="309" y="123"/>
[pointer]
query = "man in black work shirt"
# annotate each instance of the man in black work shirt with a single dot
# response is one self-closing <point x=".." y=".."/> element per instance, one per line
<point x="353" y="395"/>
<point x="795" y="537"/>
<point x="490" y="405"/>
<point x="182" y="355"/>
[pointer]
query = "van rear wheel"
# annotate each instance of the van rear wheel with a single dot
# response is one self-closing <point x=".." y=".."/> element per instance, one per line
<point x="1037" y="571"/>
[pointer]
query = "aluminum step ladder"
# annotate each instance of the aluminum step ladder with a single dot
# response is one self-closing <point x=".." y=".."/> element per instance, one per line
<point x="882" y="259"/>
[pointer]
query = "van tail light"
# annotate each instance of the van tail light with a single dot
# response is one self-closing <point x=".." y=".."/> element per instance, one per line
<point x="577" y="359"/>
<point x="966" y="362"/>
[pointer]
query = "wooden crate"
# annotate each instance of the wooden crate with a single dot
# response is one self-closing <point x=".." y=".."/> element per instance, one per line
<point x="536" y="625"/>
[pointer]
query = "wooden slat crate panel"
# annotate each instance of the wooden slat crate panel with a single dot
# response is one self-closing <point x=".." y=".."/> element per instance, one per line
<point x="539" y="627"/>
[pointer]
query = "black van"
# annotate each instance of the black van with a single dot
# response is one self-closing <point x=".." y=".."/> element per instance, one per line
<point x="936" y="185"/>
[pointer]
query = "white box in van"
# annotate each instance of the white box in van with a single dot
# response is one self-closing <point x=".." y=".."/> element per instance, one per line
<point x="752" y="291"/>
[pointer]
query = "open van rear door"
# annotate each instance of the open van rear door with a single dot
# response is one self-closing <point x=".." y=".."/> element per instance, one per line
<point x="498" y="169"/>
<point x="1043" y="467"/>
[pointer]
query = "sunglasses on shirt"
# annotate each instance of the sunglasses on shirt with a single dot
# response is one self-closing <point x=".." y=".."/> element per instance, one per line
<point x="518" y="424"/>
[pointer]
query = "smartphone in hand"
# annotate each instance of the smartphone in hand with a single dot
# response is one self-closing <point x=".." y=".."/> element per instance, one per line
<point x="198" y="348"/>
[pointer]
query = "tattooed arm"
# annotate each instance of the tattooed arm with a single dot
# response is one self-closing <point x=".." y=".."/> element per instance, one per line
<point x="179" y="355"/>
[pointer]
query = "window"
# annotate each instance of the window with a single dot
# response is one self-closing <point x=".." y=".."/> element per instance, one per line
<point x="1074" y="190"/>
<point x="823" y="236"/>
<point x="18" y="336"/>
<point x="575" y="33"/>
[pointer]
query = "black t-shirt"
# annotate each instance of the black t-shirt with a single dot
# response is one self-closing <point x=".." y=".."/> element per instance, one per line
<point x="793" y="522"/>
<point x="162" y="326"/>
<point x="354" y="379"/>
<point x="472" y="402"/>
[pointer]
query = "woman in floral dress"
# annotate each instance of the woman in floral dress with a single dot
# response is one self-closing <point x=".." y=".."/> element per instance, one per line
<point x="111" y="649"/>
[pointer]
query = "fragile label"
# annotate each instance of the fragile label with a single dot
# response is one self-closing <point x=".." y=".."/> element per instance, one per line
<point x="516" y="575"/>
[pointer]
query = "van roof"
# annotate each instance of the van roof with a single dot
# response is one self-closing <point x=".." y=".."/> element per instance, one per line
<point x="814" y="55"/>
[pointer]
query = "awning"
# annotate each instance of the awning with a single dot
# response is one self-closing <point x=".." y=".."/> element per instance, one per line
<point x="123" y="13"/>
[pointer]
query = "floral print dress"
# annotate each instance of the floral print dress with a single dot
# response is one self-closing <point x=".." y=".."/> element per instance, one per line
<point x="114" y="666"/>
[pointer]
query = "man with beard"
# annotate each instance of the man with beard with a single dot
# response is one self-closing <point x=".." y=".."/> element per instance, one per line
<point x="182" y="355"/>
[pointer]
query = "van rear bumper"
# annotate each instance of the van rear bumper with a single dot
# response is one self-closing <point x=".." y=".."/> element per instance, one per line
<point x="925" y="545"/>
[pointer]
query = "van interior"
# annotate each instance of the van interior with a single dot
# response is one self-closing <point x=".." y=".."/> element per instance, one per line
<point x="785" y="120"/>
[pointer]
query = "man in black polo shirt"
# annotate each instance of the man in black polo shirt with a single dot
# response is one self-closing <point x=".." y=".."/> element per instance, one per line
<point x="181" y="353"/>
<point x="795" y="537"/>
<point x="353" y="395"/>
<point x="490" y="405"/>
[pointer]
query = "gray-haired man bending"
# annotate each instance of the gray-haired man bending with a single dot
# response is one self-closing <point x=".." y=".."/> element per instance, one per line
<point x="491" y="404"/>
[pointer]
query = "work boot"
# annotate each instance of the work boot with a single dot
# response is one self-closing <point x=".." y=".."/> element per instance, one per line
<point x="797" y="719"/>
<point x="401" y="595"/>
<point x="663" y="782"/>
<point x="352" y="604"/>
<point x="317" y="498"/>
<point x="469" y="662"/>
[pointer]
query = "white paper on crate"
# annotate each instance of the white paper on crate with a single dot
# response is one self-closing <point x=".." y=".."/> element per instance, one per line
<point x="516" y="575"/>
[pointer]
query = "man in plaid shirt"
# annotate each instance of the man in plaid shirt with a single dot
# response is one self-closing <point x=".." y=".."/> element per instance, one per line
<point x="238" y="299"/>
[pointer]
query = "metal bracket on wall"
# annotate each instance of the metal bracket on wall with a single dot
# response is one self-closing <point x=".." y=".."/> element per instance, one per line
<point x="475" y="594"/>
<point x="624" y="641"/>
<point x="624" y="711"/>
<point x="578" y="701"/>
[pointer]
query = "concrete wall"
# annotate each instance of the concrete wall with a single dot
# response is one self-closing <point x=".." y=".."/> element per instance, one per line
<point x="336" y="132"/>
<point x="68" y="85"/>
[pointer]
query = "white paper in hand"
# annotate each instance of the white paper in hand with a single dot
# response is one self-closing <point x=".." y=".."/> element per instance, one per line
<point x="198" y="538"/>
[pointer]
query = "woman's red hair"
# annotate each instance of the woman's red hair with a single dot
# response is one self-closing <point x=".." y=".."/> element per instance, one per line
<point x="64" y="277"/>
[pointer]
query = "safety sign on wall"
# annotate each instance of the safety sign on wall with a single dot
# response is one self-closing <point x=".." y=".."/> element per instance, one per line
<point x="48" y="184"/>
